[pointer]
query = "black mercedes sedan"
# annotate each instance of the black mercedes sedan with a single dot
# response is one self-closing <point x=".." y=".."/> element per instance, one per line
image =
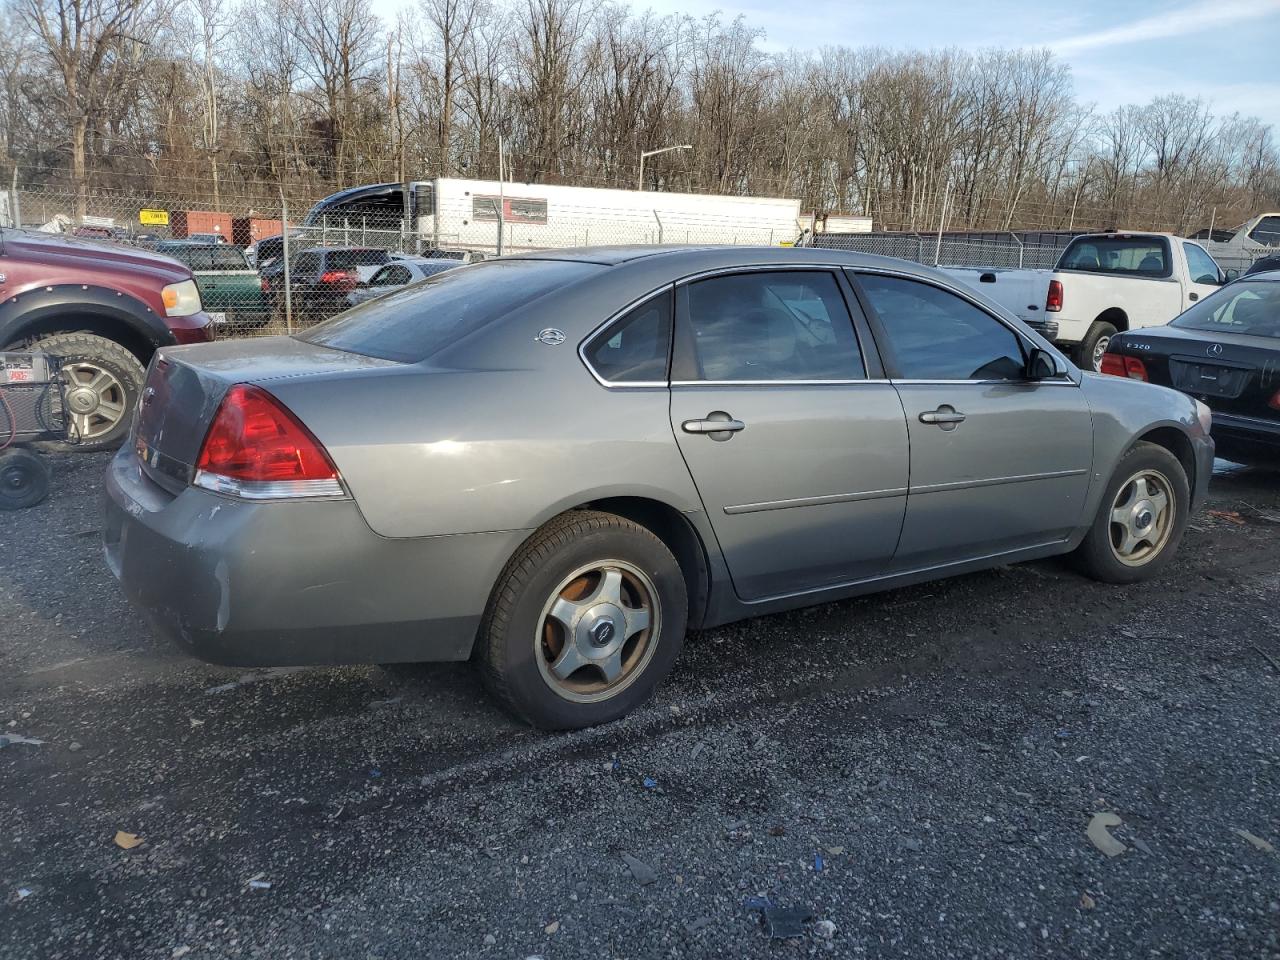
<point x="1224" y="352"/>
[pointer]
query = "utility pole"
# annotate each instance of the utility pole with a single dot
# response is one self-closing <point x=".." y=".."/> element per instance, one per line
<point x="502" y="200"/>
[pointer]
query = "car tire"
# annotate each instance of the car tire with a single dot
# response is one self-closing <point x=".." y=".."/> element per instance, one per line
<point x="98" y="410"/>
<point x="1129" y="500"/>
<point x="566" y="613"/>
<point x="1094" y="345"/>
<point x="24" y="479"/>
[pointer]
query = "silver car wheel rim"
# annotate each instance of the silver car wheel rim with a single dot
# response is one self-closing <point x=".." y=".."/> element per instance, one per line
<point x="1099" y="349"/>
<point x="1142" y="516"/>
<point x="95" y="399"/>
<point x="598" y="631"/>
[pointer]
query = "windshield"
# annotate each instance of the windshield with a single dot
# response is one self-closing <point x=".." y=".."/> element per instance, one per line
<point x="1248" y="307"/>
<point x="1118" y="255"/>
<point x="426" y="317"/>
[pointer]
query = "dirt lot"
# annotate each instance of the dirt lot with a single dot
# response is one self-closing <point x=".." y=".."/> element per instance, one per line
<point x="942" y="748"/>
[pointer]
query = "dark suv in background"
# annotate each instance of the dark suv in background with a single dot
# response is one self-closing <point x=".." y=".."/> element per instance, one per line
<point x="101" y="310"/>
<point x="321" y="278"/>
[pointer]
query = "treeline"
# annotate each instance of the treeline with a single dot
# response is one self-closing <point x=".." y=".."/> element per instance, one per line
<point x="226" y="102"/>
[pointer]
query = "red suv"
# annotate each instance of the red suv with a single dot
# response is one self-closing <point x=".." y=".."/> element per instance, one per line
<point x="102" y="310"/>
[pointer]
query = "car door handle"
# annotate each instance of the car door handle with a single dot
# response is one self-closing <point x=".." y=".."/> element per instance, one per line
<point x="944" y="416"/>
<point x="716" y="422"/>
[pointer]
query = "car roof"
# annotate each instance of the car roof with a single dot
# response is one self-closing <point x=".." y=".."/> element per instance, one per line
<point x="711" y="257"/>
<point x="345" y="250"/>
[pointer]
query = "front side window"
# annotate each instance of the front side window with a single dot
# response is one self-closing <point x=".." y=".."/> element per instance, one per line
<point x="770" y="326"/>
<point x="1200" y="265"/>
<point x="635" y="349"/>
<point x="933" y="334"/>
<point x="1120" y="255"/>
<point x="1248" y="307"/>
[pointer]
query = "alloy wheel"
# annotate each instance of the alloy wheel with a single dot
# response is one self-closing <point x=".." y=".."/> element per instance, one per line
<point x="598" y="630"/>
<point x="95" y="399"/>
<point x="1142" y="518"/>
<point x="1099" y="349"/>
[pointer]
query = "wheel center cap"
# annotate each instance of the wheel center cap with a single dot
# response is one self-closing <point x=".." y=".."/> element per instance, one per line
<point x="82" y="400"/>
<point x="1143" y="516"/>
<point x="603" y="632"/>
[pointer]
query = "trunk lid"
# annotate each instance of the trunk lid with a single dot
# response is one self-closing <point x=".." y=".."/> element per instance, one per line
<point x="1232" y="373"/>
<point x="185" y="386"/>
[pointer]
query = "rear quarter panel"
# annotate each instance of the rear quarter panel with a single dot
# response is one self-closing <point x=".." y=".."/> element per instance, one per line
<point x="501" y="432"/>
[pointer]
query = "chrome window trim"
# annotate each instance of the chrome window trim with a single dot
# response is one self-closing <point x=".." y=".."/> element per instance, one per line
<point x="759" y="268"/>
<point x="770" y="383"/>
<point x="614" y="318"/>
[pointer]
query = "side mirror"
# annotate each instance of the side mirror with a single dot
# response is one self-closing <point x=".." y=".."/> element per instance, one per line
<point x="1042" y="365"/>
<point x="1232" y="274"/>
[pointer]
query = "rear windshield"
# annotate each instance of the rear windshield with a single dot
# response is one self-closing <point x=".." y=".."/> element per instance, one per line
<point x="1119" y="255"/>
<point x="344" y="259"/>
<point x="425" y="317"/>
<point x="1248" y="307"/>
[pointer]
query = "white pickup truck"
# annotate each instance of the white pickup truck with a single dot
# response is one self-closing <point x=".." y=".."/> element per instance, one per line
<point x="1103" y="283"/>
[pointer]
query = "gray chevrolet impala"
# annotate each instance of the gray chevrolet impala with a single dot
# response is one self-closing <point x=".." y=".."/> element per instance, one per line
<point x="556" y="464"/>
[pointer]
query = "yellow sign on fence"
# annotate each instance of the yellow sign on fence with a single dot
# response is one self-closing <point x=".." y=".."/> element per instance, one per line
<point x="153" y="218"/>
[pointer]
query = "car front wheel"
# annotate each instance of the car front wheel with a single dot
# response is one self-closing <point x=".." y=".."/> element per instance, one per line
<point x="1140" y="520"/>
<point x="102" y="381"/>
<point x="585" y="621"/>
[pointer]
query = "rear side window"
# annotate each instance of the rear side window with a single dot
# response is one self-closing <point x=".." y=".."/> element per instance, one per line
<point x="1120" y="255"/>
<point x="412" y="324"/>
<point x="194" y="258"/>
<point x="635" y="348"/>
<point x="346" y="259"/>
<point x="228" y="258"/>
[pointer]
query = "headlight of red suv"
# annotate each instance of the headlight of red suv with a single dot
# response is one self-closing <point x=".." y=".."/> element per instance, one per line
<point x="181" y="299"/>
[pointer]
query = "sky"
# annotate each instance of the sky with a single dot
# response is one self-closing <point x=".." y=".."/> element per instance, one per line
<point x="1225" y="51"/>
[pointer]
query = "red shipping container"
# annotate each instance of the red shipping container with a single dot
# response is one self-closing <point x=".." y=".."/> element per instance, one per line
<point x="183" y="223"/>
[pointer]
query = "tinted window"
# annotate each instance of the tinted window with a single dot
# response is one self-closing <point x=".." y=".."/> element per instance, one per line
<point x="195" y="258"/>
<point x="784" y="325"/>
<point x="935" y="335"/>
<point x="228" y="258"/>
<point x="346" y="259"/>
<point x="1200" y="265"/>
<point x="635" y="348"/>
<point x="306" y="264"/>
<point x="394" y="275"/>
<point x="412" y="324"/>
<point x="1267" y="231"/>
<point x="1249" y="307"/>
<point x="1127" y="256"/>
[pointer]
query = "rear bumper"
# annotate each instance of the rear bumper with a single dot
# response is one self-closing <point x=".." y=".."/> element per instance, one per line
<point x="1247" y="439"/>
<point x="1046" y="328"/>
<point x="281" y="584"/>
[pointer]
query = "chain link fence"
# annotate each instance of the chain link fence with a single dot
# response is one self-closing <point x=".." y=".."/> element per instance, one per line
<point x="257" y="278"/>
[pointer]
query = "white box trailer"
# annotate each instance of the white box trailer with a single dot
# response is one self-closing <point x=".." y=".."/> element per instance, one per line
<point x="470" y="214"/>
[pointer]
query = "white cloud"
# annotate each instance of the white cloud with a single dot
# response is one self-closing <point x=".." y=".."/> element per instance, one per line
<point x="1205" y="15"/>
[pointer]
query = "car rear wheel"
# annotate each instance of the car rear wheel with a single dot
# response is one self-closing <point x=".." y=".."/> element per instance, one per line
<point x="585" y="621"/>
<point x="1095" y="345"/>
<point x="102" y="381"/>
<point x="1140" y="520"/>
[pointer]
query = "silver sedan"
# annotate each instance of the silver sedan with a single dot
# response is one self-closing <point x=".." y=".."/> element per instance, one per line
<point x="399" y="273"/>
<point x="557" y="464"/>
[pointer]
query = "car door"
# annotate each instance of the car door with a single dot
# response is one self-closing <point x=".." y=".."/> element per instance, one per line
<point x="1203" y="274"/>
<point x="800" y="459"/>
<point x="998" y="462"/>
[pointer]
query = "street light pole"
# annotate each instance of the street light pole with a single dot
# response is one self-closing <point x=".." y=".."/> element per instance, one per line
<point x="653" y="153"/>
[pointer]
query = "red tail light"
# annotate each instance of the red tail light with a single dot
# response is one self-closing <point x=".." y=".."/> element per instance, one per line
<point x="342" y="278"/>
<point x="258" y="450"/>
<point x="1118" y="365"/>
<point x="265" y="284"/>
<point x="1274" y="402"/>
<point x="1053" y="302"/>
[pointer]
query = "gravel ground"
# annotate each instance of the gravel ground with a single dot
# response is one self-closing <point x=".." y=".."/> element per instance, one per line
<point x="942" y="748"/>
